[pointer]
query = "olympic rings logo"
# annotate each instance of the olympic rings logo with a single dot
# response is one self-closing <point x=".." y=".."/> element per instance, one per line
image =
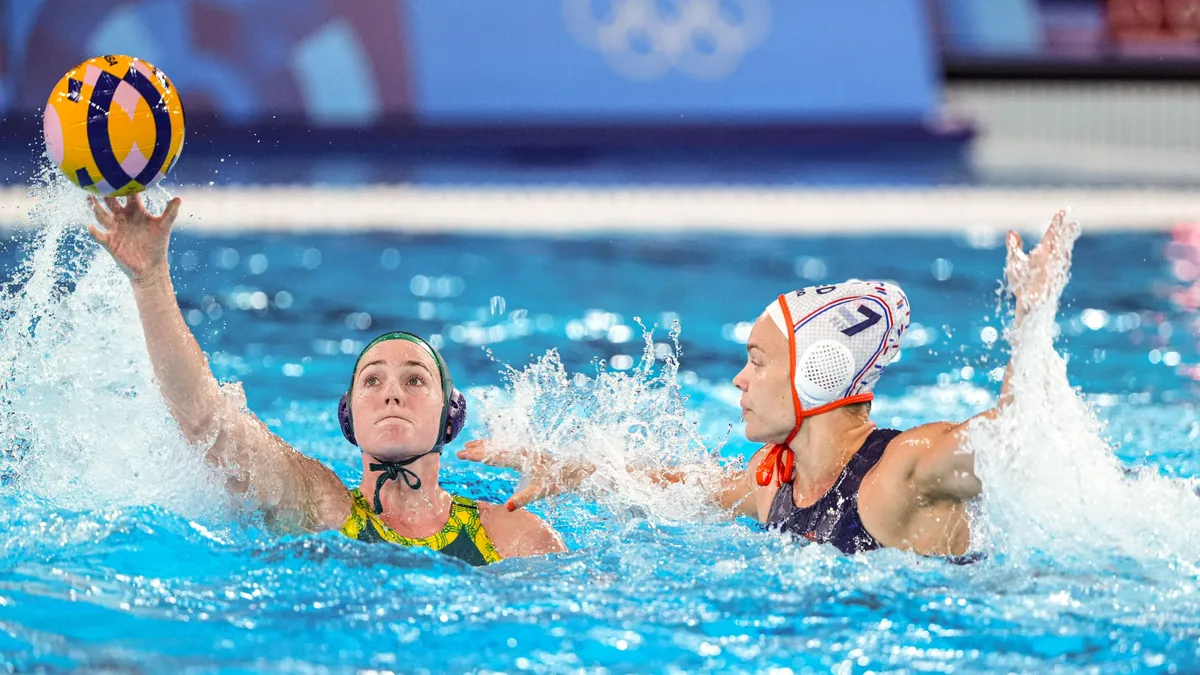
<point x="643" y="40"/>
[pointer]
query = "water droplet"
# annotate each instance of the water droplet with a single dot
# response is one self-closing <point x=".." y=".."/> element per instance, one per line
<point x="256" y="264"/>
<point x="942" y="269"/>
<point x="311" y="259"/>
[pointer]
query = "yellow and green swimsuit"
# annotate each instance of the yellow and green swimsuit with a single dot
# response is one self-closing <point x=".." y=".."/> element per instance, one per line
<point x="463" y="537"/>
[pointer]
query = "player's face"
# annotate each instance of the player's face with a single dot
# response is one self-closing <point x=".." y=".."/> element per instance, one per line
<point x="766" y="385"/>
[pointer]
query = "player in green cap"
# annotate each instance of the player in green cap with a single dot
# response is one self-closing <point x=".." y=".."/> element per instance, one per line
<point x="401" y="408"/>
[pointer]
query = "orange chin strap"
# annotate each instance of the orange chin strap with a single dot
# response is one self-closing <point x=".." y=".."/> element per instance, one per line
<point x="779" y="462"/>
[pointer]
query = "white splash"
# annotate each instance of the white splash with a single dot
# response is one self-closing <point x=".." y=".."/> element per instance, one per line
<point x="1052" y="485"/>
<point x="630" y="425"/>
<point x="83" y="426"/>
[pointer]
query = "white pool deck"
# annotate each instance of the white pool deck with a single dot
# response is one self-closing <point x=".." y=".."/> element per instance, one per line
<point x="567" y="211"/>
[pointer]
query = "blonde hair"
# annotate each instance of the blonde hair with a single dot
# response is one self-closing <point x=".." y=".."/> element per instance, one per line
<point x="863" y="409"/>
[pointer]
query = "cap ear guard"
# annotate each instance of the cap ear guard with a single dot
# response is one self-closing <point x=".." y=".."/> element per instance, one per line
<point x="344" y="419"/>
<point x="456" y="417"/>
<point x="823" y="372"/>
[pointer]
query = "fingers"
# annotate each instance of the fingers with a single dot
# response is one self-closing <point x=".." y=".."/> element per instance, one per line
<point x="473" y="451"/>
<point x="1065" y="230"/>
<point x="102" y="214"/>
<point x="1072" y="235"/>
<point x="1057" y="221"/>
<point x="171" y="212"/>
<point x="134" y="204"/>
<point x="114" y="205"/>
<point x="99" y="235"/>
<point x="1013" y="243"/>
<point x="484" y="452"/>
<point x="1054" y="232"/>
<point x="1015" y="258"/>
<point x="475" y="456"/>
<point x="525" y="497"/>
<point x="1061" y="236"/>
<point x="478" y="451"/>
<point x="1069" y="233"/>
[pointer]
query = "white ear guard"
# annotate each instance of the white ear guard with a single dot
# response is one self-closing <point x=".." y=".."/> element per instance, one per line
<point x="823" y="372"/>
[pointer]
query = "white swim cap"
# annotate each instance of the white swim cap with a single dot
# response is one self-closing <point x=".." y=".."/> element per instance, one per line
<point x="841" y="337"/>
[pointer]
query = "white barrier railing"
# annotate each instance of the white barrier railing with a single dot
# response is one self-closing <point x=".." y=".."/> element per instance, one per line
<point x="1137" y="131"/>
<point x="566" y="211"/>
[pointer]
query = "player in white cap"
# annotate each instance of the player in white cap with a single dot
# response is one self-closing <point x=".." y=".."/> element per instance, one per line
<point x="825" y="472"/>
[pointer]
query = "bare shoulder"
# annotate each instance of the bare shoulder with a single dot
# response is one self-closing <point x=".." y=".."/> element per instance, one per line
<point x="331" y="503"/>
<point x="314" y="499"/>
<point x="923" y="434"/>
<point x="891" y="478"/>
<point x="518" y="533"/>
<point x="887" y="498"/>
<point x="908" y="446"/>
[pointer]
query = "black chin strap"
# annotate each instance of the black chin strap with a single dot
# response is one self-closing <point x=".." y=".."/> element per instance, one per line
<point x="394" y="470"/>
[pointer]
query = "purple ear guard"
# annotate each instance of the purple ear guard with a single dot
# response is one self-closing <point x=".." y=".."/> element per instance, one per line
<point x="344" y="418"/>
<point x="456" y="417"/>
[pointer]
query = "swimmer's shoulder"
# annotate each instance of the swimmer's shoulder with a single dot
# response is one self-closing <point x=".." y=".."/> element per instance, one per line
<point x="518" y="533"/>
<point x="890" y="481"/>
<point x="332" y="506"/>
<point x="902" y="453"/>
<point x="322" y="507"/>
<point x="889" y="497"/>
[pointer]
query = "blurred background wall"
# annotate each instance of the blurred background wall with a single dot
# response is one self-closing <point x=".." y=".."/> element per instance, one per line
<point x="374" y="62"/>
<point x="1086" y="89"/>
<point x="962" y="90"/>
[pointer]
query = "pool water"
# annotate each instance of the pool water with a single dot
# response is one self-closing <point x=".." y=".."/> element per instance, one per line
<point x="120" y="551"/>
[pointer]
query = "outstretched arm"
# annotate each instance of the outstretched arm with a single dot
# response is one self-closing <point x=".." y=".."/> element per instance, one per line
<point x="293" y="490"/>
<point x="944" y="467"/>
<point x="542" y="477"/>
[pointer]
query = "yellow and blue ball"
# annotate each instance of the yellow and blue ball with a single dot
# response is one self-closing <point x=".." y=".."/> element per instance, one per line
<point x="114" y="125"/>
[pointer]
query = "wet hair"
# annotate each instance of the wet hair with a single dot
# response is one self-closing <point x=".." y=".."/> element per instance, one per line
<point x="863" y="408"/>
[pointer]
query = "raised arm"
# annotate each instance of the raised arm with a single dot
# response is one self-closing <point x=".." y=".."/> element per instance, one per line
<point x="943" y="464"/>
<point x="294" y="491"/>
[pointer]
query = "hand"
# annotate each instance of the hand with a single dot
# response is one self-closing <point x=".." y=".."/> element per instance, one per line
<point x="1040" y="276"/>
<point x="136" y="239"/>
<point x="541" y="476"/>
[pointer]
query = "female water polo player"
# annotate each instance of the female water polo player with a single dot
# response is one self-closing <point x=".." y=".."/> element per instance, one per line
<point x="401" y="408"/>
<point x="825" y="472"/>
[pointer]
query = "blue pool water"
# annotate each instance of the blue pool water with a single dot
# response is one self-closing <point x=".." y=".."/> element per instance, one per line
<point x="119" y="552"/>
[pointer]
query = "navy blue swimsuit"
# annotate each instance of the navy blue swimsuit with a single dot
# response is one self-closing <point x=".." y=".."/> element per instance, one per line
<point x="834" y="518"/>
